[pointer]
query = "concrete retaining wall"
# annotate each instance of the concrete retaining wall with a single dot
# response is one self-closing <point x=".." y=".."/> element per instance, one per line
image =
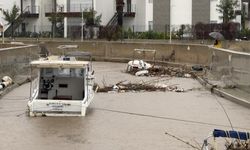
<point x="193" y="54"/>
<point x="225" y="64"/>
<point x="15" y="60"/>
<point x="231" y="67"/>
<point x="8" y="45"/>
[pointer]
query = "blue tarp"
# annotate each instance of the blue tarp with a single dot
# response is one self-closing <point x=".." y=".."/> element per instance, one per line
<point x="231" y="134"/>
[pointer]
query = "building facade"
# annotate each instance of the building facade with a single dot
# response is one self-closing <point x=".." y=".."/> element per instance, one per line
<point x="143" y="15"/>
<point x="186" y="12"/>
<point x="246" y="8"/>
<point x="36" y="14"/>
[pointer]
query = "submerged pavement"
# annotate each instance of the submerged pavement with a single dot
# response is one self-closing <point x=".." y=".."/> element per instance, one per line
<point x="122" y="121"/>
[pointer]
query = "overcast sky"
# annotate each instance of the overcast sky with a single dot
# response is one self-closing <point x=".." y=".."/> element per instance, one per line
<point x="7" y="4"/>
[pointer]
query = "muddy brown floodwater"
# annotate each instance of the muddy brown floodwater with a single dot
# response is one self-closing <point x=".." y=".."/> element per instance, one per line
<point x="121" y="121"/>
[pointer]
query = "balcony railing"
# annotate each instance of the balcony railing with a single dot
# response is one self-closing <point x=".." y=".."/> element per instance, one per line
<point x="80" y="7"/>
<point x="129" y="10"/>
<point x="31" y="11"/>
<point x="73" y="8"/>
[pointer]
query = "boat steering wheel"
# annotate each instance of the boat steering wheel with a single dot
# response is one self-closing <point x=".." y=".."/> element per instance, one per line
<point x="48" y="84"/>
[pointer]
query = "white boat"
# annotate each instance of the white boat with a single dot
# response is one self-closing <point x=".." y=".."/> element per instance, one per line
<point x="60" y="86"/>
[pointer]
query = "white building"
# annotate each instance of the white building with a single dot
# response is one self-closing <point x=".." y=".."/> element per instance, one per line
<point x="187" y="12"/>
<point x="143" y="15"/>
<point x="245" y="6"/>
<point x="215" y="15"/>
<point x="138" y="13"/>
<point x="182" y="9"/>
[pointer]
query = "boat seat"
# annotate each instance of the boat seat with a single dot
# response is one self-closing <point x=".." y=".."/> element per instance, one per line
<point x="63" y="97"/>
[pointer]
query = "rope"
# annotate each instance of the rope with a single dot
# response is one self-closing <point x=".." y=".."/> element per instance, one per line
<point x="161" y="117"/>
<point x="179" y="139"/>
<point x="223" y="108"/>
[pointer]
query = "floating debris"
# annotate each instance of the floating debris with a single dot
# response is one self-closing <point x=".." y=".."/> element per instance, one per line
<point x="197" y="68"/>
<point x="162" y="71"/>
<point x="142" y="73"/>
<point x="187" y="75"/>
<point x="124" y="86"/>
<point x="130" y="87"/>
<point x="138" y="65"/>
<point x="5" y="82"/>
<point x="175" y="89"/>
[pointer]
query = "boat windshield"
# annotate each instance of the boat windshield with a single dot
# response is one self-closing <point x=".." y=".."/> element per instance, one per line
<point x="62" y="72"/>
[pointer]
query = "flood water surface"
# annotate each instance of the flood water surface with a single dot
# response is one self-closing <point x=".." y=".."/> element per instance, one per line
<point x="133" y="120"/>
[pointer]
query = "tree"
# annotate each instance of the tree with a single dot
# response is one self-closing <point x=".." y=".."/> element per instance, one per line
<point x="200" y="30"/>
<point x="56" y="20"/>
<point x="91" y="19"/>
<point x="11" y="17"/>
<point x="227" y="9"/>
<point x="180" y="32"/>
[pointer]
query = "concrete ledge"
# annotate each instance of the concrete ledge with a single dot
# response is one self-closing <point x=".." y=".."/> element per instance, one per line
<point x="207" y="85"/>
<point x="224" y="94"/>
<point x="231" y="97"/>
<point x="17" y="47"/>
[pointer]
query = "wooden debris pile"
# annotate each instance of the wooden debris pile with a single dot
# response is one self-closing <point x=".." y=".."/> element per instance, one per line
<point x="170" y="71"/>
<point x="131" y="87"/>
<point x="124" y="86"/>
<point x="238" y="145"/>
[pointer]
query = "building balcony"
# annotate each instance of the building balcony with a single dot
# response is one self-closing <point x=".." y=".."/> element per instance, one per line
<point x="74" y="10"/>
<point x="129" y="10"/>
<point x="31" y="12"/>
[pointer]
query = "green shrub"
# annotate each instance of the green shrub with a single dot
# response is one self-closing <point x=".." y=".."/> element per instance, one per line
<point x="146" y="35"/>
<point x="245" y="33"/>
<point x="45" y="34"/>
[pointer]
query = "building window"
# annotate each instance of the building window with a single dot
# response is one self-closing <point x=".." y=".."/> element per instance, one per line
<point x="245" y="8"/>
<point x="150" y="1"/>
<point x="150" y="25"/>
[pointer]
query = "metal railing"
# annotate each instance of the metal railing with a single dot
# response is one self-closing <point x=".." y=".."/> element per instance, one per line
<point x="79" y="7"/>
<point x="231" y="67"/>
<point x="32" y="10"/>
<point x="161" y="32"/>
<point x="70" y="9"/>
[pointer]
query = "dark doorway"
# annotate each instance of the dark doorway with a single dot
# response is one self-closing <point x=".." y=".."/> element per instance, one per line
<point x="128" y="6"/>
<point x="119" y="9"/>
<point x="23" y="27"/>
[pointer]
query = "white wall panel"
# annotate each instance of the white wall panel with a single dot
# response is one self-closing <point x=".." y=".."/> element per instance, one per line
<point x="181" y="12"/>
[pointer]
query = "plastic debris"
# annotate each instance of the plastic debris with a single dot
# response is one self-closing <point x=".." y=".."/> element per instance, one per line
<point x="141" y="68"/>
<point x="115" y="88"/>
<point x="5" y="82"/>
<point x="187" y="75"/>
<point x="197" y="68"/>
<point x="137" y="65"/>
<point x="142" y="73"/>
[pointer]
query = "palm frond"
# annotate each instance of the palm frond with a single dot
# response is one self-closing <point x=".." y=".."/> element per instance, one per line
<point x="11" y="16"/>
